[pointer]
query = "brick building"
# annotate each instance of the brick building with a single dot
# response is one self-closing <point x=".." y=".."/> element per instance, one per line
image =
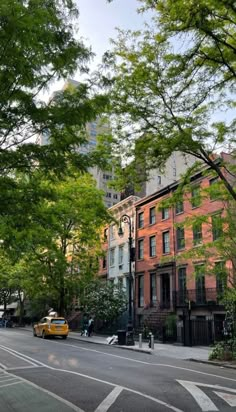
<point x="166" y="281"/>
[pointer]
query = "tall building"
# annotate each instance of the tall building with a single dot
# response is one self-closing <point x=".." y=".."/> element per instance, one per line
<point x="158" y="178"/>
<point x="102" y="177"/>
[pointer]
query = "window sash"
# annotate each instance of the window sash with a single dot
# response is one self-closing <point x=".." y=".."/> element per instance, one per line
<point x="112" y="257"/>
<point x="197" y="233"/>
<point x="140" y="249"/>
<point x="195" y="197"/>
<point x="180" y="238"/>
<point x="152" y="215"/>
<point x="166" y="242"/>
<point x="179" y="207"/>
<point x="152" y="246"/>
<point x="141" y="220"/>
<point x="121" y="254"/>
<point x="165" y="213"/>
<point x="217" y="228"/>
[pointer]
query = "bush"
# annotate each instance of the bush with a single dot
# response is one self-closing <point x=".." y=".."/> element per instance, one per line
<point x="224" y="351"/>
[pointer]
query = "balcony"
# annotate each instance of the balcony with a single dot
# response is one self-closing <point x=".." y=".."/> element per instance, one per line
<point x="197" y="297"/>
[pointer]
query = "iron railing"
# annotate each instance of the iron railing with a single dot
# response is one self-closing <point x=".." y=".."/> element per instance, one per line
<point x="197" y="297"/>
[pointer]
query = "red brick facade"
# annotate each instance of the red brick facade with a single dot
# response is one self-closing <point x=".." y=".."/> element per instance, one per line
<point x="160" y="277"/>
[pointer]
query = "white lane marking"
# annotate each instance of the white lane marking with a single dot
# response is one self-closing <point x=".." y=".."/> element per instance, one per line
<point x="148" y="363"/>
<point x="109" y="400"/>
<point x="132" y="360"/>
<point x="10" y="384"/>
<point x="203" y="401"/>
<point x="22" y="356"/>
<point x="6" y="379"/>
<point x="24" y="367"/>
<point x="167" y="405"/>
<point x="158" y="401"/>
<point x="192" y="387"/>
<point x="10" y="351"/>
<point x="53" y="395"/>
<point x="227" y="397"/>
<point x="2" y="366"/>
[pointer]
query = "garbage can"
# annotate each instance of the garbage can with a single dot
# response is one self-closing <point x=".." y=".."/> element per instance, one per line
<point x="121" y="337"/>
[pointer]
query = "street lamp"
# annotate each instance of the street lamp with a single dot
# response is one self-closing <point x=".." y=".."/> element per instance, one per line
<point x="126" y="219"/>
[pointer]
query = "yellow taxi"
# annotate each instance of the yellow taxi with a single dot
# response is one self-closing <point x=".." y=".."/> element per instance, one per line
<point x="51" y="326"/>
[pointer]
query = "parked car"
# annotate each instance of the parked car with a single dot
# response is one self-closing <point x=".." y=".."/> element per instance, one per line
<point x="51" y="326"/>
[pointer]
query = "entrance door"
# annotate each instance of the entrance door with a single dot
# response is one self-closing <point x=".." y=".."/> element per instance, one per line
<point x="165" y="293"/>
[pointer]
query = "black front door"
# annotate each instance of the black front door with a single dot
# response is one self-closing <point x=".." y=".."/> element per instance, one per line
<point x="165" y="292"/>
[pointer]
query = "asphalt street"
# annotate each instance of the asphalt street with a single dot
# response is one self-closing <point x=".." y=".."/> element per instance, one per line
<point x="56" y="375"/>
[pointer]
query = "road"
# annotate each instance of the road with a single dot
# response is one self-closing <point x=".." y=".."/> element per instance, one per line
<point x="64" y="376"/>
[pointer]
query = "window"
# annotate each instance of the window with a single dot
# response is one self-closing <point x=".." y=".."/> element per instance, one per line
<point x="159" y="180"/>
<point x="107" y="177"/>
<point x="121" y="255"/>
<point x="152" y="246"/>
<point x="112" y="231"/>
<point x="196" y="198"/>
<point x="140" y="220"/>
<point x="165" y="213"/>
<point x="214" y="190"/>
<point x="112" y="257"/>
<point x="179" y="207"/>
<point x="217" y="228"/>
<point x="120" y="283"/>
<point x="182" y="285"/>
<point x="141" y="291"/>
<point x="115" y="196"/>
<point x="180" y="238"/>
<point x="153" y="289"/>
<point x="108" y="194"/>
<point x="197" y="233"/>
<point x="152" y="215"/>
<point x="105" y="234"/>
<point x="200" y="284"/>
<point x="104" y="263"/>
<point x="166" y="242"/>
<point x="140" y="248"/>
<point x="221" y="278"/>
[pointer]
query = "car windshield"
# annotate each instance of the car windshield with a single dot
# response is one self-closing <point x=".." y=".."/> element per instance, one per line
<point x="59" y="321"/>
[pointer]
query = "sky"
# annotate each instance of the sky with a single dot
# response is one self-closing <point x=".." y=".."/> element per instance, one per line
<point x="98" y="20"/>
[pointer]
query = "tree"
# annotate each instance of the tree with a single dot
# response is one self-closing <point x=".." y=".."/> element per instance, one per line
<point x="106" y="301"/>
<point x="38" y="47"/>
<point x="55" y="245"/>
<point x="172" y="83"/>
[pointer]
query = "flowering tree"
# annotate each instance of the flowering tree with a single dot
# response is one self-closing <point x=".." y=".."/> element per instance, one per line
<point x="105" y="300"/>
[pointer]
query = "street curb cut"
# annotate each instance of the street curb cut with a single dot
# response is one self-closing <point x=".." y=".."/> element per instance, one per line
<point x="145" y="351"/>
<point x="222" y="365"/>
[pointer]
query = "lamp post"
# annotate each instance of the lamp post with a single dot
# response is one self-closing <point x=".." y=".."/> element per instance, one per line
<point x="126" y="219"/>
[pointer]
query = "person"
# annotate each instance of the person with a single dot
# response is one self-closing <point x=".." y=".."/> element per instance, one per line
<point x="84" y="326"/>
<point x="90" y="326"/>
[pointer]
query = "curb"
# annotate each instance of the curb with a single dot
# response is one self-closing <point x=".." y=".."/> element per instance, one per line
<point x="222" y="365"/>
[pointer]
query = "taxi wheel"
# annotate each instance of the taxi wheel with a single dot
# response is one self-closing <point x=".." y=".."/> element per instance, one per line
<point x="34" y="333"/>
<point x="44" y="335"/>
<point x="64" y="337"/>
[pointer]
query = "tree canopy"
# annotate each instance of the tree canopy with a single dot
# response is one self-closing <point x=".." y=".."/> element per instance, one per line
<point x="172" y="84"/>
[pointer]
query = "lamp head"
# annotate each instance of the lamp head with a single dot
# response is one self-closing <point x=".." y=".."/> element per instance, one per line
<point x="120" y="231"/>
